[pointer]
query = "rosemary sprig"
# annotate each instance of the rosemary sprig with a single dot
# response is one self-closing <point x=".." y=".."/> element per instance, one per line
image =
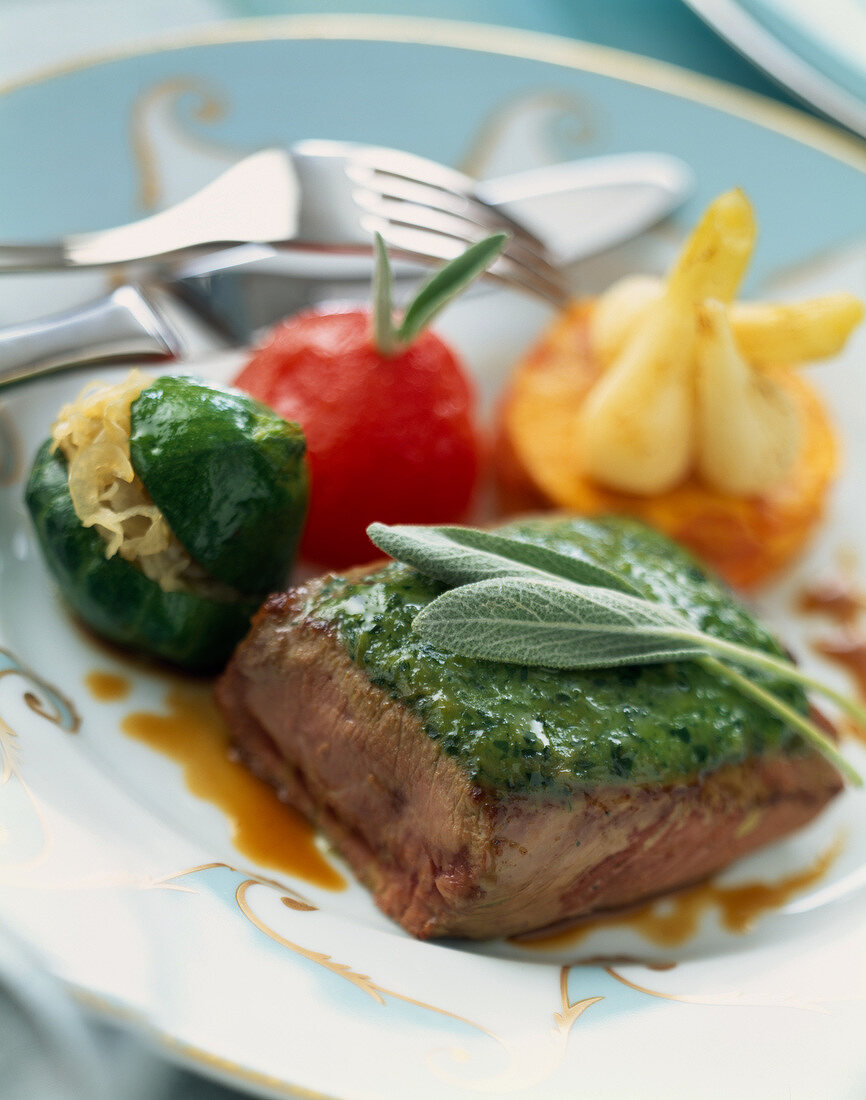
<point x="431" y="298"/>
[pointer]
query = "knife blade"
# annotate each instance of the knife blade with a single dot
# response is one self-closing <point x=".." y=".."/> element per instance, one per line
<point x="580" y="208"/>
<point x="577" y="208"/>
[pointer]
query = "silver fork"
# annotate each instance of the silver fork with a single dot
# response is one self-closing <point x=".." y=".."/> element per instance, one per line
<point x="322" y="196"/>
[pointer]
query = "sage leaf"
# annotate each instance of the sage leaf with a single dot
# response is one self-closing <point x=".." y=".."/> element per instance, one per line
<point x="539" y="622"/>
<point x="463" y="555"/>
<point x="529" y="605"/>
<point x="552" y="624"/>
<point x="634" y="629"/>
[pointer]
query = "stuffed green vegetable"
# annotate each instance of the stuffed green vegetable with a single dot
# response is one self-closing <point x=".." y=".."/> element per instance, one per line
<point x="167" y="510"/>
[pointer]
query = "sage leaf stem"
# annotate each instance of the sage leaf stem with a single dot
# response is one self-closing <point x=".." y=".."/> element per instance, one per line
<point x="811" y="732"/>
<point x="756" y="658"/>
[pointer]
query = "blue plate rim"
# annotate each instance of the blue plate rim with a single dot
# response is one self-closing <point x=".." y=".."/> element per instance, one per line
<point x="824" y="136"/>
<point x="805" y="77"/>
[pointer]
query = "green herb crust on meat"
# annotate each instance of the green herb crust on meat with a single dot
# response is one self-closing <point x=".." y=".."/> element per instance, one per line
<point x="529" y="729"/>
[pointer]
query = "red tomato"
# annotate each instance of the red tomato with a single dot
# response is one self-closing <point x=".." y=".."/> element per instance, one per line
<point x="389" y="439"/>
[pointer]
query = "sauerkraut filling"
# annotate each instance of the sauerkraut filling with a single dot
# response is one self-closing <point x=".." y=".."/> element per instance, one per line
<point x="92" y="432"/>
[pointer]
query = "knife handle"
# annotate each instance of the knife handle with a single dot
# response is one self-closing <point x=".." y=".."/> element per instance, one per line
<point x="123" y="326"/>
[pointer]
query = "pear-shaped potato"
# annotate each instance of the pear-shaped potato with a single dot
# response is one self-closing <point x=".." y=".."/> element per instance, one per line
<point x="746" y="539"/>
<point x="669" y="400"/>
<point x="714" y="259"/>
<point x="777" y="333"/>
<point x="620" y="310"/>
<point x="747" y="430"/>
<point x="635" y="428"/>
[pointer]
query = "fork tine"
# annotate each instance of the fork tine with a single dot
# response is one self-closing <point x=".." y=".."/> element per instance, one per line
<point x="426" y="210"/>
<point x="464" y="232"/>
<point x="391" y="195"/>
<point x="394" y="162"/>
<point x="414" y="242"/>
<point x="461" y="203"/>
<point x="392" y="171"/>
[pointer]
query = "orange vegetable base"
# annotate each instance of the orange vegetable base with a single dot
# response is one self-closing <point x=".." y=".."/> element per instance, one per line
<point x="745" y="539"/>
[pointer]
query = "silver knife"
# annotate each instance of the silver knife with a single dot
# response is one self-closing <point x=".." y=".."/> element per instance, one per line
<point x="127" y="325"/>
<point x="577" y="209"/>
<point x="582" y="207"/>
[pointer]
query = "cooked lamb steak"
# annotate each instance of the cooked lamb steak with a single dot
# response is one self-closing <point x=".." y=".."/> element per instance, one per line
<point x="481" y="799"/>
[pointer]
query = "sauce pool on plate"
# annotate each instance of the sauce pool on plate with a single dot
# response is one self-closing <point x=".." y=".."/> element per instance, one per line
<point x="836" y="596"/>
<point x="672" y="921"/>
<point x="191" y="732"/>
<point x="848" y="650"/>
<point x="107" y="687"/>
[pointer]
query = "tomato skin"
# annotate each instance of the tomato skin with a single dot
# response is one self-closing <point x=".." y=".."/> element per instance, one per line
<point x="388" y="439"/>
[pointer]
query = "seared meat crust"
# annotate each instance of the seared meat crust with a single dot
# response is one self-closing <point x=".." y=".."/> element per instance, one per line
<point x="444" y="857"/>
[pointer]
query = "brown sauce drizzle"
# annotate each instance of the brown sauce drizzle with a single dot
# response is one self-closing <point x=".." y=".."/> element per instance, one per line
<point x="839" y="598"/>
<point x="107" y="687"/>
<point x="672" y="920"/>
<point x="659" y="965"/>
<point x="192" y="733"/>
<point x="848" y="650"/>
<point x="836" y="596"/>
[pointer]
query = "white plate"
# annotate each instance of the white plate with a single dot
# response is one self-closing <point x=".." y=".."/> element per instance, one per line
<point x="131" y="887"/>
<point x="818" y="51"/>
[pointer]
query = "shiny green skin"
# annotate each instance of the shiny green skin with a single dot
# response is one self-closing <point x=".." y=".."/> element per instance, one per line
<point x="229" y="476"/>
<point x="114" y="598"/>
<point x="536" y="730"/>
